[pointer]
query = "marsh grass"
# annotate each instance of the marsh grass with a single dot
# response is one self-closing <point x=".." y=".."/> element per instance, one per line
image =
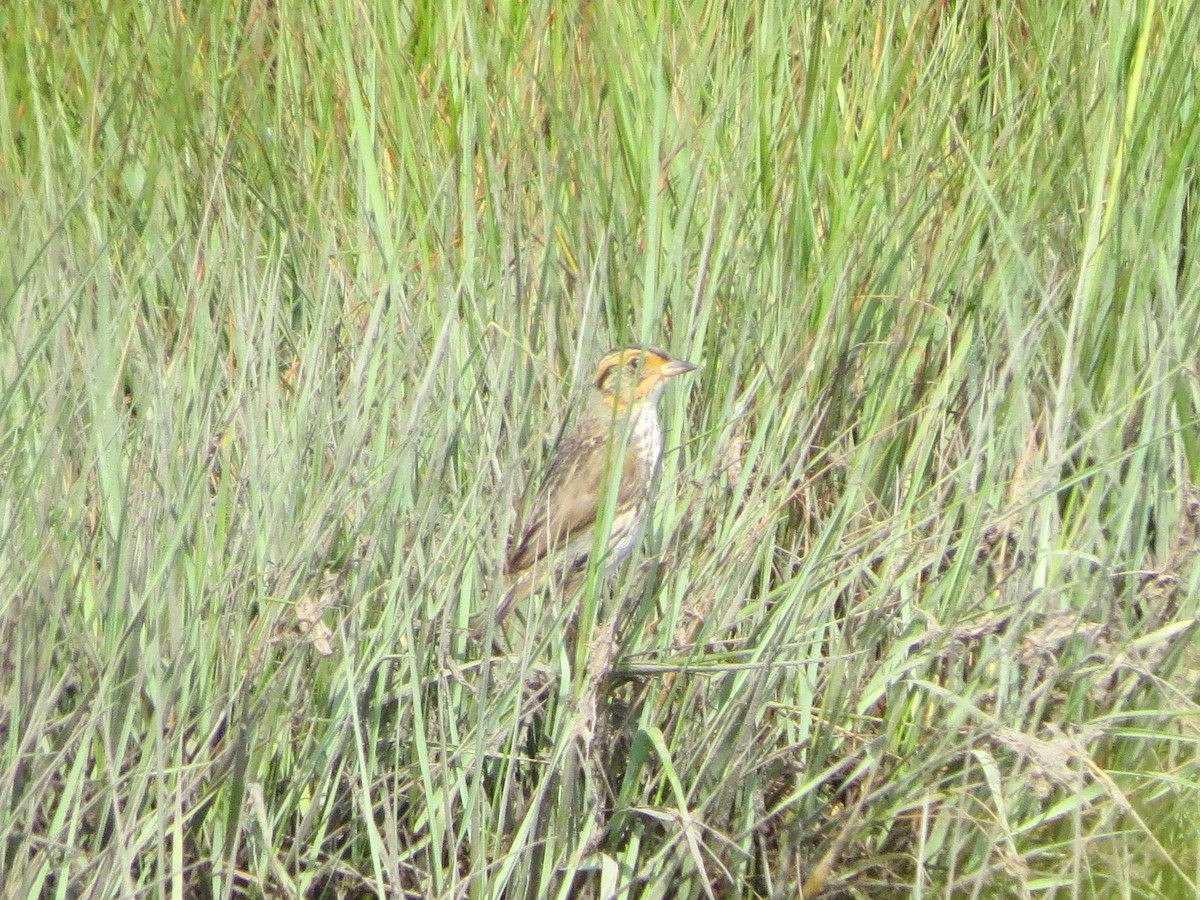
<point x="296" y="299"/>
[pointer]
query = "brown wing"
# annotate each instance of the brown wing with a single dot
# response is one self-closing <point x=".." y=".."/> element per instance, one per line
<point x="581" y="463"/>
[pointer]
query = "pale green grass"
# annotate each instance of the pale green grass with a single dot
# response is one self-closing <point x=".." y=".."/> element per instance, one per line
<point x="296" y="298"/>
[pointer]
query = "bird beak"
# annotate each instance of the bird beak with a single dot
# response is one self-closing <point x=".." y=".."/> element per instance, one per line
<point x="677" y="367"/>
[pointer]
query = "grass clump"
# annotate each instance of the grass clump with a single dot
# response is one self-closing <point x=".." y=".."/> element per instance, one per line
<point x="295" y="300"/>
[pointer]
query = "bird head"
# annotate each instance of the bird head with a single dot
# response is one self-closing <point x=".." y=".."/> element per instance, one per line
<point x="632" y="375"/>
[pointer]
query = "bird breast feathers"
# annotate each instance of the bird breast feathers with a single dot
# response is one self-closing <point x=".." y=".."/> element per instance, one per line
<point x="568" y="502"/>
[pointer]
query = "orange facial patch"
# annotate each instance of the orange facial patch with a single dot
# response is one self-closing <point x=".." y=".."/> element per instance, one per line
<point x="620" y="369"/>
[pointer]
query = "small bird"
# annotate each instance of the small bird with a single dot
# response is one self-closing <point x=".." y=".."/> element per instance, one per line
<point x="555" y="541"/>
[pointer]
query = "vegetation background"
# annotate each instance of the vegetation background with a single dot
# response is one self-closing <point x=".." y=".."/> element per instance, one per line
<point x="295" y="296"/>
